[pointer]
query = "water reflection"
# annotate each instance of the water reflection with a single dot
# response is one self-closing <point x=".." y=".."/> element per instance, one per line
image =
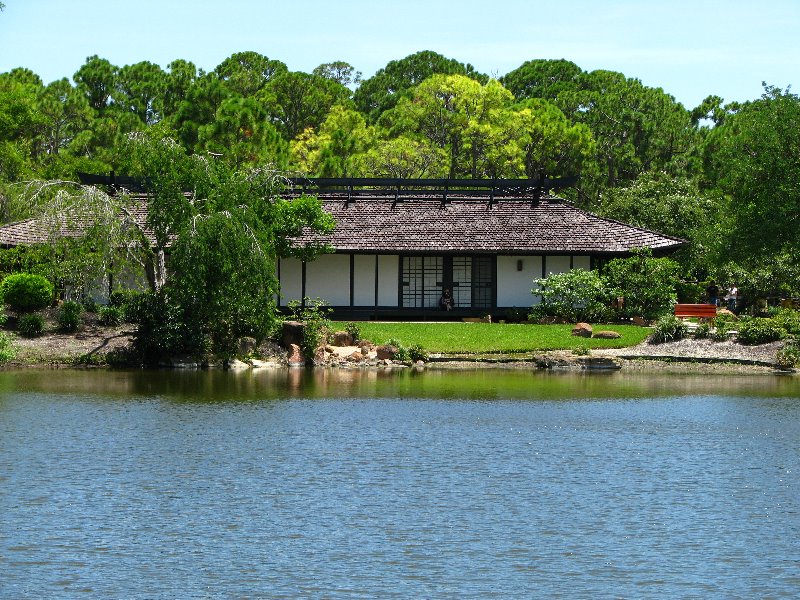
<point x="391" y="383"/>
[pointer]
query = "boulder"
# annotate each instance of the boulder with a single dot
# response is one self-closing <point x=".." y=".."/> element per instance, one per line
<point x="292" y="333"/>
<point x="295" y="356"/>
<point x="321" y="355"/>
<point x="355" y="356"/>
<point x="582" y="330"/>
<point x="247" y="345"/>
<point x="366" y="344"/>
<point x="262" y="364"/>
<point x="365" y="350"/>
<point x="330" y="349"/>
<point x="235" y="365"/>
<point x="386" y="351"/>
<point x="640" y="321"/>
<point x="607" y="335"/>
<point x="342" y="338"/>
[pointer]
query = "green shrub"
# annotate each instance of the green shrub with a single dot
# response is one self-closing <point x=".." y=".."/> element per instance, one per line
<point x="110" y="315"/>
<point x="577" y="295"/>
<point x="702" y="331"/>
<point x="69" y="316"/>
<point x="166" y="330"/>
<point x="354" y="330"/>
<point x="90" y="305"/>
<point x="314" y="315"/>
<point x="26" y="292"/>
<point x="788" y="357"/>
<point x="31" y="325"/>
<point x="788" y="319"/>
<point x="581" y="351"/>
<point x="130" y="302"/>
<point x="7" y="350"/>
<point x="669" y="328"/>
<point x="417" y="352"/>
<point x="760" y="331"/>
<point x="646" y="283"/>
<point x="402" y="352"/>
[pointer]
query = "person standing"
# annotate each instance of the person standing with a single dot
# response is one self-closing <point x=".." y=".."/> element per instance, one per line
<point x="732" y="298"/>
<point x="712" y="291"/>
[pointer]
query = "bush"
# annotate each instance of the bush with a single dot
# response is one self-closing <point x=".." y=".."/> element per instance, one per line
<point x="25" y="292"/>
<point x="577" y="295"/>
<point x="31" y="325"/>
<point x="110" y="315"/>
<point x="646" y="283"/>
<point x="788" y="319"/>
<point x="166" y="330"/>
<point x="130" y="303"/>
<point x="90" y="305"/>
<point x="402" y="352"/>
<point x="314" y="315"/>
<point x="760" y="331"/>
<point x="702" y="331"/>
<point x="354" y="330"/>
<point x="417" y="352"/>
<point x="669" y="328"/>
<point x="69" y="316"/>
<point x="7" y="350"/>
<point x="581" y="351"/>
<point x="788" y="357"/>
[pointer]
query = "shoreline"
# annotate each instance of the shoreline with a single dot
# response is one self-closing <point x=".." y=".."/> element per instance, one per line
<point x="90" y="347"/>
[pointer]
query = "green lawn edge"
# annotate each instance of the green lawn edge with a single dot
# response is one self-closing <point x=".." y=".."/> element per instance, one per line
<point x="493" y="338"/>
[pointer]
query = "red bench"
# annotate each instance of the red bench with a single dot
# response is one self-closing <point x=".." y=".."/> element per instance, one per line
<point x="702" y="311"/>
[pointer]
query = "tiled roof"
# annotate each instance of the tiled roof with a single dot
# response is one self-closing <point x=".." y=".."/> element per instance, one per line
<point x="36" y="231"/>
<point x="550" y="225"/>
<point x="380" y="224"/>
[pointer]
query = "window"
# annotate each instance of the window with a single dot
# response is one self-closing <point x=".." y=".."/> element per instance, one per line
<point x="470" y="278"/>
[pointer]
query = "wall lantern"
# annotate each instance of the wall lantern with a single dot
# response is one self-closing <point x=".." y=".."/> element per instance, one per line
<point x="519" y="264"/>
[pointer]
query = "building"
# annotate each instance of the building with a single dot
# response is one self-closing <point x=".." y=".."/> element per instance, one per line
<point x="395" y="250"/>
<point x="398" y="244"/>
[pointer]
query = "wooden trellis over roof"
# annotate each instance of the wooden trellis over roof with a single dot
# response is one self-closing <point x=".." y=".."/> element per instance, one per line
<point x="445" y="189"/>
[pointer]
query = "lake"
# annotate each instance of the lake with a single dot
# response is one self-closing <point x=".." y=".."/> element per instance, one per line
<point x="369" y="484"/>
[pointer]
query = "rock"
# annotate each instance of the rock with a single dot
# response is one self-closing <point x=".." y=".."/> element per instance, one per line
<point x="386" y="351"/>
<point x="295" y="356"/>
<point x="582" y="330"/>
<point x="247" y="345"/>
<point x="365" y="350"/>
<point x="640" y="321"/>
<point x="330" y="349"/>
<point x="607" y="335"/>
<point x="355" y="356"/>
<point x="366" y="344"/>
<point x="419" y="364"/>
<point x="342" y="338"/>
<point x="321" y="355"/>
<point x="235" y="364"/>
<point x="262" y="364"/>
<point x="727" y="313"/>
<point x="387" y="362"/>
<point x="292" y="333"/>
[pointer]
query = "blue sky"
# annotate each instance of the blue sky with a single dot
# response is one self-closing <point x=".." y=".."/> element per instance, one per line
<point x="690" y="49"/>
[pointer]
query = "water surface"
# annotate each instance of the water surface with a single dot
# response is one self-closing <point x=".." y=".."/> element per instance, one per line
<point x="364" y="484"/>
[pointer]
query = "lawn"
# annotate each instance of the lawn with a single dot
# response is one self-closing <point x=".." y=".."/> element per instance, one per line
<point x="483" y="338"/>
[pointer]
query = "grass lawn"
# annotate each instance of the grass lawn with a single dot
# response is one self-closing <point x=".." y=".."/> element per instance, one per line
<point x="483" y="338"/>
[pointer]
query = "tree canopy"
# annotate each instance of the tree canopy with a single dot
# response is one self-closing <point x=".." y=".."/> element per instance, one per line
<point x="723" y="176"/>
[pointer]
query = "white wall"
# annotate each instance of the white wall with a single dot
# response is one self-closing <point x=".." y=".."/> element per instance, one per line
<point x="328" y="277"/>
<point x="514" y="287"/>
<point x="364" y="280"/>
<point x="581" y="262"/>
<point x="291" y="280"/>
<point x="556" y="264"/>
<point x="388" y="278"/>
